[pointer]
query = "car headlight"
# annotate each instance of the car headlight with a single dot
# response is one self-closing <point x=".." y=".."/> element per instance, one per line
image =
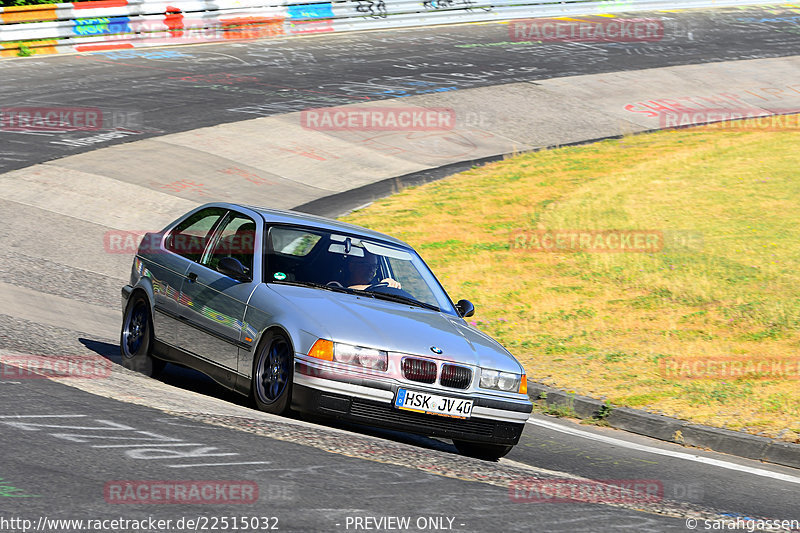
<point x="489" y="378"/>
<point x="503" y="381"/>
<point x="350" y="355"/>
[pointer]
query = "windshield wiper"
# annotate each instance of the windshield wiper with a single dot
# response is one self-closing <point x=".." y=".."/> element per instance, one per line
<point x="314" y="285"/>
<point x="399" y="298"/>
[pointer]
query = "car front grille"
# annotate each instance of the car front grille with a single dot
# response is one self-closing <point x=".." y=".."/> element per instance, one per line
<point x="456" y="377"/>
<point x="420" y="370"/>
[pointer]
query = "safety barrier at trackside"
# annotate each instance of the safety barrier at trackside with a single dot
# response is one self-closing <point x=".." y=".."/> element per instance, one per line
<point x="118" y="24"/>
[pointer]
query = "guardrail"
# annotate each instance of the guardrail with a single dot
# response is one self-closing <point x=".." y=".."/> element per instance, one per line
<point x="120" y="24"/>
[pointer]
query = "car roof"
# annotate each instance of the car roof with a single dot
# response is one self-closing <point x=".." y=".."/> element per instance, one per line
<point x="282" y="216"/>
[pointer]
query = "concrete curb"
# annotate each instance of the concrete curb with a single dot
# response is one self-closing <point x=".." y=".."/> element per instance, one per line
<point x="339" y="204"/>
<point x="671" y="429"/>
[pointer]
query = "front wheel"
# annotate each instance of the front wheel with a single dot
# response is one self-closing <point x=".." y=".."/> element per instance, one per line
<point x="136" y="339"/>
<point x="271" y="384"/>
<point x="487" y="452"/>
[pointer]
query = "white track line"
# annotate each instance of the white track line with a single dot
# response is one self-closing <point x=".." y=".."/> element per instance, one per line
<point x="145" y="445"/>
<point x="668" y="453"/>
<point x="43" y="416"/>
<point x="222" y="464"/>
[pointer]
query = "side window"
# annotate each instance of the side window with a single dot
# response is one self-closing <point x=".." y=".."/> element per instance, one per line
<point x="291" y="241"/>
<point x="236" y="238"/>
<point x="190" y="237"/>
<point x="289" y="250"/>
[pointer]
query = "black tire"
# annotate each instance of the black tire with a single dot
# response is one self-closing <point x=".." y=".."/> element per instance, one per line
<point x="136" y="338"/>
<point x="487" y="452"/>
<point x="273" y="370"/>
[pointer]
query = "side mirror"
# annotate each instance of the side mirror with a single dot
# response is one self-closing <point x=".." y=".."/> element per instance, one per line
<point x="233" y="268"/>
<point x="465" y="308"/>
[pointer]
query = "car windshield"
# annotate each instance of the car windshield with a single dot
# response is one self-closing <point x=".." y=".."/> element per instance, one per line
<point x="347" y="263"/>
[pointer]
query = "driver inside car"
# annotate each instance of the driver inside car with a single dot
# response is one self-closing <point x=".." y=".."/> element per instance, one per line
<point x="361" y="271"/>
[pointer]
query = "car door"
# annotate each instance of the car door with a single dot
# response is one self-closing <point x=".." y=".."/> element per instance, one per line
<point x="212" y="319"/>
<point x="182" y="246"/>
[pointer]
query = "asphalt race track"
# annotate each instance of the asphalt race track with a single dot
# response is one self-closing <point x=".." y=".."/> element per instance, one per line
<point x="66" y="443"/>
<point x="158" y="91"/>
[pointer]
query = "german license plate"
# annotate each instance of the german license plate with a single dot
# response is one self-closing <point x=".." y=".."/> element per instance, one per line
<point x="422" y="402"/>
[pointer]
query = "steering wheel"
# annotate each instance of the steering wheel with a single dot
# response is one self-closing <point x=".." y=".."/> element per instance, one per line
<point x="334" y="284"/>
<point x="376" y="286"/>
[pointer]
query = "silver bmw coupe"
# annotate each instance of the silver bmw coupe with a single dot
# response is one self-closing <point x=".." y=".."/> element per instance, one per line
<point x="307" y="313"/>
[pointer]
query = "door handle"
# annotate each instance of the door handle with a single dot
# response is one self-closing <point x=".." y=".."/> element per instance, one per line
<point x="191" y="276"/>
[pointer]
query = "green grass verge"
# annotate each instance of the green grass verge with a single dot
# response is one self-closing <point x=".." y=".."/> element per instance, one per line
<point x="602" y="324"/>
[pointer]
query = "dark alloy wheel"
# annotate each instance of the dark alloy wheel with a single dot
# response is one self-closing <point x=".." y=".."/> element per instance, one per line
<point x="272" y="374"/>
<point x="488" y="452"/>
<point x="136" y="339"/>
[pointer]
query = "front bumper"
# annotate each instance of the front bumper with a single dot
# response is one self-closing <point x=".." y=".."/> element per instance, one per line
<point x="370" y="402"/>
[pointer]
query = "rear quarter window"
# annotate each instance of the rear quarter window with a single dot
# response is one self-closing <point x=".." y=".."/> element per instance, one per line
<point x="189" y="238"/>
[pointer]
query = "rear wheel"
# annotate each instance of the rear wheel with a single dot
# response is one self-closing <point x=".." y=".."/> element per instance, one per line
<point x="487" y="452"/>
<point x="136" y="339"/>
<point x="271" y="386"/>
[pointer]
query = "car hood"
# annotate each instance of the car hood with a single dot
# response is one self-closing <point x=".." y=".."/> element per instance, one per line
<point x="374" y="323"/>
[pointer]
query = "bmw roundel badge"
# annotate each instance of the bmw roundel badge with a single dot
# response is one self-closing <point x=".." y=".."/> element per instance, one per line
<point x="436" y="350"/>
